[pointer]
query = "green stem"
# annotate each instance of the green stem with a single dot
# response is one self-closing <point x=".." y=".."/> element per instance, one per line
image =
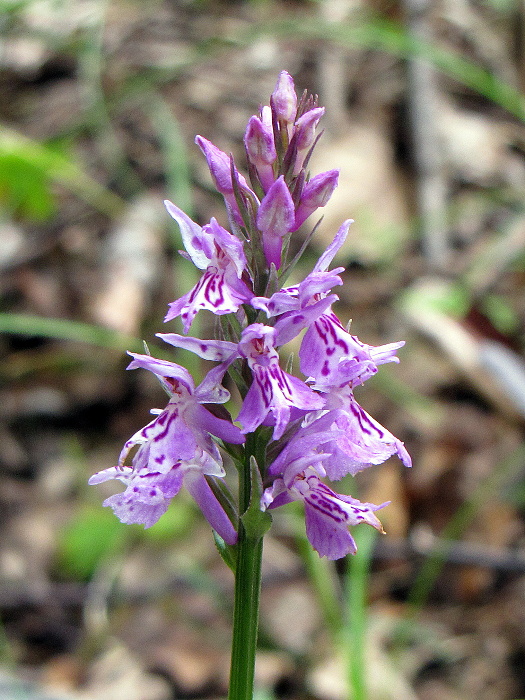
<point x="247" y="593"/>
<point x="245" y="616"/>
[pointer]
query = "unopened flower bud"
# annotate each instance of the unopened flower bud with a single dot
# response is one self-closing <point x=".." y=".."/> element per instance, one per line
<point x="218" y="163"/>
<point x="305" y="127"/>
<point x="220" y="170"/>
<point x="316" y="193"/>
<point x="260" y="149"/>
<point x="284" y="99"/>
<point x="275" y="219"/>
<point x="304" y="135"/>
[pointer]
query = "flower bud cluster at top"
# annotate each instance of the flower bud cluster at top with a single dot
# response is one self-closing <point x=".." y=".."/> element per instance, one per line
<point x="317" y="428"/>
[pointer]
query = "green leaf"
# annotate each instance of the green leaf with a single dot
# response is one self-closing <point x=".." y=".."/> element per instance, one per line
<point x="45" y="165"/>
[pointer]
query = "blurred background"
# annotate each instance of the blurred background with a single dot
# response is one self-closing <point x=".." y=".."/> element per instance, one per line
<point x="100" y="103"/>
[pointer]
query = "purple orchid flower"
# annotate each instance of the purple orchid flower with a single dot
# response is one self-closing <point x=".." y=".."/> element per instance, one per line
<point x="306" y="446"/>
<point x="319" y="429"/>
<point x="304" y="134"/>
<point x="348" y="437"/>
<point x="364" y="441"/>
<point x="176" y="445"/>
<point x="148" y="492"/>
<point x="274" y="395"/>
<point x="328" y="514"/>
<point x="273" y="391"/>
<point x="329" y="355"/>
<point x="298" y="297"/>
<point x="221" y="289"/>
<point x="184" y="425"/>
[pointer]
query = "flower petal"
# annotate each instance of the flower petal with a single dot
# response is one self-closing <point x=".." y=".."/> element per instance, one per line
<point x="217" y="350"/>
<point x="191" y="233"/>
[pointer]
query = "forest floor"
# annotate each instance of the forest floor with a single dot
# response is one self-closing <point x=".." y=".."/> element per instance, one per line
<point x="100" y="105"/>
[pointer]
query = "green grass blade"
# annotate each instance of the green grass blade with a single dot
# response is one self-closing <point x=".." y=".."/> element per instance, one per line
<point x="176" y="166"/>
<point x="64" y="329"/>
<point x="322" y="575"/>
<point x="355" y="634"/>
<point x="397" y="40"/>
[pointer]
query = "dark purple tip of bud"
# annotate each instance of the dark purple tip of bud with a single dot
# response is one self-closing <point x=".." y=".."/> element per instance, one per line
<point x="284" y="99"/>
